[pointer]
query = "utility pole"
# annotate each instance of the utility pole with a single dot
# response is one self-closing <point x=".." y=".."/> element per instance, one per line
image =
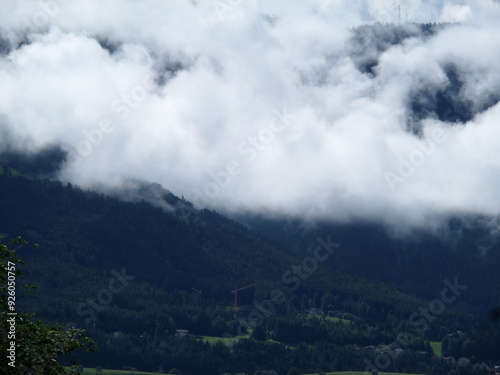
<point x="399" y="15"/>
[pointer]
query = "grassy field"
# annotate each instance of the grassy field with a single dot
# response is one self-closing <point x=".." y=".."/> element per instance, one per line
<point x="225" y="340"/>
<point x="232" y="340"/>
<point x="92" y="371"/>
<point x="362" y="373"/>
<point x="336" y="320"/>
<point x="437" y="348"/>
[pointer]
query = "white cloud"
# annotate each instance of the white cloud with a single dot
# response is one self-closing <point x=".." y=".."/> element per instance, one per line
<point x="270" y="111"/>
<point x="456" y="13"/>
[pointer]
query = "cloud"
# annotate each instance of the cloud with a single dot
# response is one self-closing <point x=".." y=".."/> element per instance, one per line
<point x="284" y="108"/>
<point x="456" y="13"/>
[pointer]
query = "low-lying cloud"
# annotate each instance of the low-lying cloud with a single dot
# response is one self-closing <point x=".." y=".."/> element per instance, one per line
<point x="286" y="108"/>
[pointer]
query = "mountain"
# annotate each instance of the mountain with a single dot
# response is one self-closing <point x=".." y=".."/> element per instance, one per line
<point x="133" y="274"/>
<point x="465" y="247"/>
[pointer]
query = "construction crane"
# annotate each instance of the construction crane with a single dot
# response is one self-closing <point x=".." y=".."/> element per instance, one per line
<point x="235" y="292"/>
<point x="399" y="15"/>
<point x="196" y="290"/>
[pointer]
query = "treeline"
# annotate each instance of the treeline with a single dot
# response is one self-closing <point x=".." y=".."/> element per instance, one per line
<point x="478" y="344"/>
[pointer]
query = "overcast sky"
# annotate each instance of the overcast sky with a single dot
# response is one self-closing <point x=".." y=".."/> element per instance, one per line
<point x="258" y="105"/>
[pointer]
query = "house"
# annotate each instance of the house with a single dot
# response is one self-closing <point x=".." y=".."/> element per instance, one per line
<point x="463" y="361"/>
<point x="181" y="332"/>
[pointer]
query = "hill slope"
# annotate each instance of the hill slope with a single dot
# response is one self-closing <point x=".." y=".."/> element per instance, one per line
<point x="132" y="274"/>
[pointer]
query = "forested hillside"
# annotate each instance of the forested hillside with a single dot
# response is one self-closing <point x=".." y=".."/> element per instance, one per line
<point x="465" y="247"/>
<point x="133" y="274"/>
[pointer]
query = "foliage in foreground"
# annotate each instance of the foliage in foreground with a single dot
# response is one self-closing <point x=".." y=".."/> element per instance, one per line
<point x="32" y="346"/>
